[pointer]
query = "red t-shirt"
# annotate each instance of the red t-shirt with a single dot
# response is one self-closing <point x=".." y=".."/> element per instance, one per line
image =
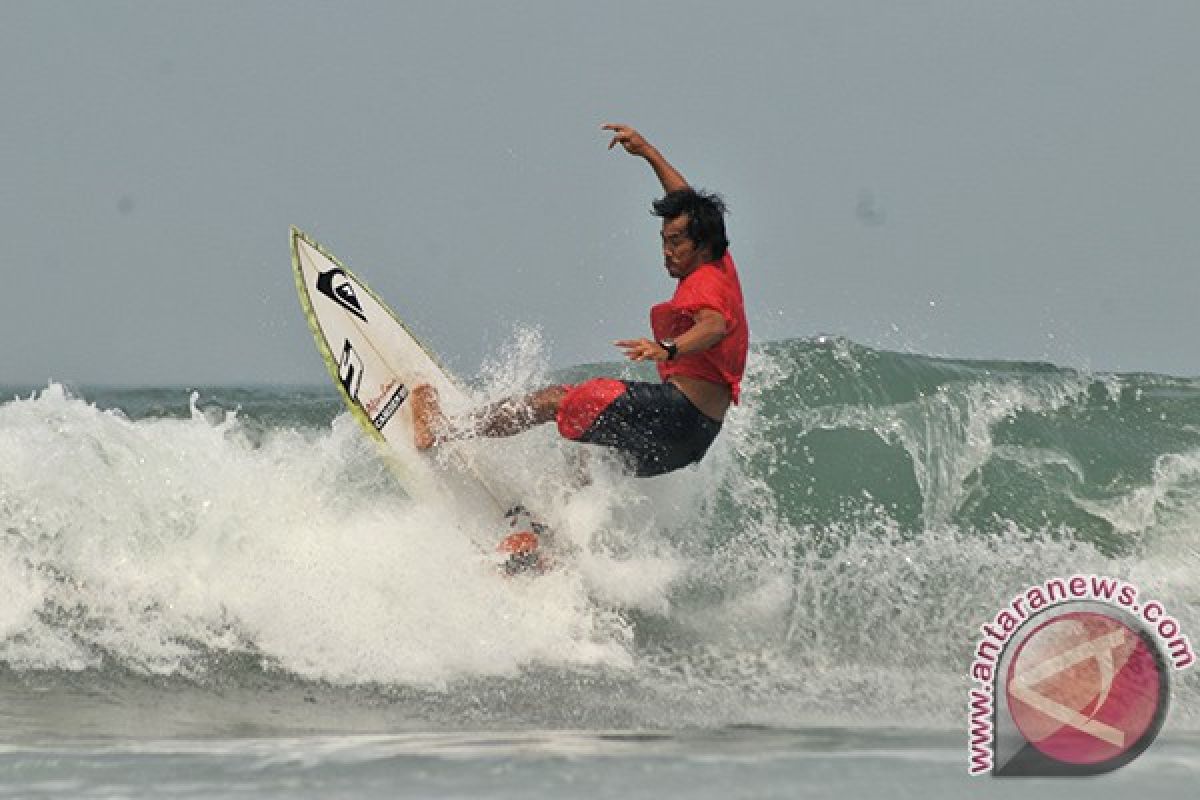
<point x="713" y="285"/>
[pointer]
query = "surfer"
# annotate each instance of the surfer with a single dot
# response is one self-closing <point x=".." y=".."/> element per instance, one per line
<point x="699" y="345"/>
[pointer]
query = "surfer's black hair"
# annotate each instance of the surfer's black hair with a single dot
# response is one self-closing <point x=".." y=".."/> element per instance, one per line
<point x="706" y="217"/>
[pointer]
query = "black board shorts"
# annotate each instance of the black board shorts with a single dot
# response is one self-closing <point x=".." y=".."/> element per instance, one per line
<point x="653" y="424"/>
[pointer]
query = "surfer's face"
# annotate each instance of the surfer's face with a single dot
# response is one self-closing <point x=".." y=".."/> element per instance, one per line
<point x="680" y="254"/>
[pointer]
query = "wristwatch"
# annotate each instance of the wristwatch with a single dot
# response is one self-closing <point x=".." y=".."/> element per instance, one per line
<point x="671" y="348"/>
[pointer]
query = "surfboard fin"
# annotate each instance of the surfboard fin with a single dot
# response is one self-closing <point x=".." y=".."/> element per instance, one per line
<point x="523" y="545"/>
<point x="523" y="552"/>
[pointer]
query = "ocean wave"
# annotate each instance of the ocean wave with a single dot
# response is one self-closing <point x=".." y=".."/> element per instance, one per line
<point x="861" y="514"/>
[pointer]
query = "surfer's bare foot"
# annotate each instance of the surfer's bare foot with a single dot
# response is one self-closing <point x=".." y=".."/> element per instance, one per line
<point x="427" y="416"/>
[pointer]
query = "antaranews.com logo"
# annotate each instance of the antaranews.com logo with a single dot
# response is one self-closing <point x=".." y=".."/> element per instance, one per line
<point x="1072" y="678"/>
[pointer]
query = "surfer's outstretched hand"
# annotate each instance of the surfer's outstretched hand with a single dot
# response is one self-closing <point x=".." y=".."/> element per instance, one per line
<point x="633" y="142"/>
<point x="642" y="349"/>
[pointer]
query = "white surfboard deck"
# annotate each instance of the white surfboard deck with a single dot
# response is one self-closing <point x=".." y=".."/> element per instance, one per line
<point x="375" y="362"/>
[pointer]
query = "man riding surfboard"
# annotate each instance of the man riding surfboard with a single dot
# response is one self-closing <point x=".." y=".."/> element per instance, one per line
<point x="699" y="345"/>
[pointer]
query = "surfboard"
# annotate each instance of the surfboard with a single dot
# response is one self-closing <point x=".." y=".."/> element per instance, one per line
<point x="375" y="362"/>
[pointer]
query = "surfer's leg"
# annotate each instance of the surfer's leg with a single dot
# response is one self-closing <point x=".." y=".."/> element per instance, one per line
<point x="514" y="415"/>
<point x="505" y="418"/>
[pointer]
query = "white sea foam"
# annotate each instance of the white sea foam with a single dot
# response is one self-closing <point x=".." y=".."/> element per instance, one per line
<point x="149" y="542"/>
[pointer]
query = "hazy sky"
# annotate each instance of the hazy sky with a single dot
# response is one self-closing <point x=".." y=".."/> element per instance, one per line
<point x="1016" y="179"/>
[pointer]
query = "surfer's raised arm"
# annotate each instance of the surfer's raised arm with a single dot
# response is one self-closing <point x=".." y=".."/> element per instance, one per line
<point x="700" y="343"/>
<point x="636" y="145"/>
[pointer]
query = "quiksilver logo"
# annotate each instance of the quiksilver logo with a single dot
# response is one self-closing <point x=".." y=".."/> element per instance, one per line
<point x="337" y="287"/>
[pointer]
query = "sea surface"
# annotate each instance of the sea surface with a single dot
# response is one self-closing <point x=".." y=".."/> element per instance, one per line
<point x="224" y="592"/>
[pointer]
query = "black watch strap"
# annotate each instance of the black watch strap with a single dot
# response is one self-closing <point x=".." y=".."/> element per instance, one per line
<point x="671" y="348"/>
